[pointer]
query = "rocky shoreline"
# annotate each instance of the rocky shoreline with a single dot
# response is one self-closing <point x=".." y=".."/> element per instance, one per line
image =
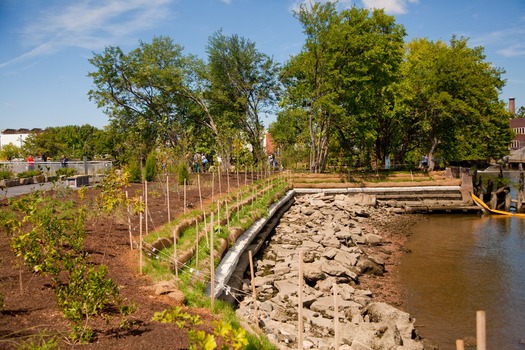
<point x="348" y="242"/>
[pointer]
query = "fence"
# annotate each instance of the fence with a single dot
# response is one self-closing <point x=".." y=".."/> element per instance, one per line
<point x="49" y="168"/>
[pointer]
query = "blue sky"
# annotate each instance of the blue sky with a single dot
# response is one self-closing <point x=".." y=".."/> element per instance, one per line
<point x="45" y="45"/>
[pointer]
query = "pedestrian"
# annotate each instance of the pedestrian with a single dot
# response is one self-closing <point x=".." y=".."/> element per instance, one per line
<point x="44" y="158"/>
<point x="63" y="161"/>
<point x="424" y="162"/>
<point x="204" y="162"/>
<point x="30" y="163"/>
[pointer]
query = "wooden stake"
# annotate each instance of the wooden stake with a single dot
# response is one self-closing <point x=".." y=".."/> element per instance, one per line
<point x="184" y="196"/>
<point x="212" y="268"/>
<point x="460" y="345"/>
<point x="168" y="196"/>
<point x="219" y="178"/>
<point x="254" y="292"/>
<point x="212" y="185"/>
<point x="481" y="336"/>
<point x="146" y="204"/>
<point x="227" y="215"/>
<point x="197" y="244"/>
<point x="175" y="256"/>
<point x="129" y="223"/>
<point x="228" y="180"/>
<point x="140" y="239"/>
<point x="336" y="318"/>
<point x="206" y="229"/>
<point x="237" y="177"/>
<point x="300" y="306"/>
<point x="200" y="193"/>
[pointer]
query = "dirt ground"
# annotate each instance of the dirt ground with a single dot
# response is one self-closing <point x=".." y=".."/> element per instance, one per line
<point x="34" y="311"/>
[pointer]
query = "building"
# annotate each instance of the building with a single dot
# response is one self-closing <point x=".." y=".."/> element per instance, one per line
<point x="16" y="137"/>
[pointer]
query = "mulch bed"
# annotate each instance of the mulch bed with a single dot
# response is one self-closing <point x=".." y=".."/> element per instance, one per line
<point x="34" y="311"/>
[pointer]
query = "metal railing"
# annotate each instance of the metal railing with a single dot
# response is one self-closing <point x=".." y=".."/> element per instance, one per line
<point x="50" y="168"/>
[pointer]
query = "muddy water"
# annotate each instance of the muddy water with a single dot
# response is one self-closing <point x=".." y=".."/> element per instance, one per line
<point x="460" y="264"/>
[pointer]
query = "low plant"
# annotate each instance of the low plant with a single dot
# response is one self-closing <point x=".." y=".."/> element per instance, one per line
<point x="66" y="172"/>
<point x="6" y="174"/>
<point x="29" y="173"/>
<point x="183" y="175"/>
<point x="150" y="168"/>
<point x="178" y="316"/>
<point x="39" y="342"/>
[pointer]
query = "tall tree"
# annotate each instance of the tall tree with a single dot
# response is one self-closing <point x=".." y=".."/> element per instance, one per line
<point x="454" y="100"/>
<point x="145" y="92"/>
<point x="243" y="86"/>
<point x="342" y="76"/>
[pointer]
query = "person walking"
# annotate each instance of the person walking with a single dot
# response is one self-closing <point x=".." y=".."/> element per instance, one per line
<point x="30" y="163"/>
<point x="63" y="161"/>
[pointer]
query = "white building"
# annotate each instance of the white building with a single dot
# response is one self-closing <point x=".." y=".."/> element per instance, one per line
<point x="15" y="136"/>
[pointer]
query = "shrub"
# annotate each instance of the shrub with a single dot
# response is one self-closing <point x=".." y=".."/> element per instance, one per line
<point x="150" y="168"/>
<point x="135" y="175"/>
<point x="184" y="174"/>
<point x="66" y="172"/>
<point x="29" y="173"/>
<point x="6" y="174"/>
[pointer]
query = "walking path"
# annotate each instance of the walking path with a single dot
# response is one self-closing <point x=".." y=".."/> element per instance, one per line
<point x="14" y="191"/>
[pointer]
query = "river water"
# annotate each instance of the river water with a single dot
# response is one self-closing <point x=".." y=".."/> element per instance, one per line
<point x="459" y="264"/>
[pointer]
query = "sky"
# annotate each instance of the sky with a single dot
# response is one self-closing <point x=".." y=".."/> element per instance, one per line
<point x="45" y="44"/>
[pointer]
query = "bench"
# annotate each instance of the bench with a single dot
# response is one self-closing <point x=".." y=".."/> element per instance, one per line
<point x="78" y="181"/>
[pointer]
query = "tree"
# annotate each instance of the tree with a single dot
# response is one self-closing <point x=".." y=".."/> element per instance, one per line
<point x="453" y="100"/>
<point x="145" y="92"/>
<point x="341" y="78"/>
<point x="243" y="86"/>
<point x="10" y="152"/>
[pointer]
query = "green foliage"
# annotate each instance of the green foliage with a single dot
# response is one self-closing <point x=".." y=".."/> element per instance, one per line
<point x="178" y="316"/>
<point x="29" y="173"/>
<point x="6" y="174"/>
<point x="135" y="174"/>
<point x="9" y="152"/>
<point x="234" y="337"/>
<point x="87" y="293"/>
<point x="39" y="342"/>
<point x="112" y="195"/>
<point x="200" y="340"/>
<point x="49" y="240"/>
<point x="183" y="175"/>
<point x="66" y="172"/>
<point x="150" y="168"/>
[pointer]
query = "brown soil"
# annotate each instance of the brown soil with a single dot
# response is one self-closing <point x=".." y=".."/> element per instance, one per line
<point x="34" y="311"/>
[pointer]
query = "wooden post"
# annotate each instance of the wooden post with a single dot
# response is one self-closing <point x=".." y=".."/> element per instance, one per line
<point x="228" y="180"/>
<point x="219" y="178"/>
<point x="146" y="205"/>
<point x="184" y="197"/>
<point x="481" y="336"/>
<point x="227" y="215"/>
<point x="197" y="244"/>
<point x="129" y="223"/>
<point x="175" y="256"/>
<point x="140" y="239"/>
<point x="460" y="344"/>
<point x="212" y="268"/>
<point x="336" y="318"/>
<point x="206" y="229"/>
<point x="254" y="292"/>
<point x="168" y="196"/>
<point x="300" y="306"/>
<point x="212" y="185"/>
<point x="200" y="193"/>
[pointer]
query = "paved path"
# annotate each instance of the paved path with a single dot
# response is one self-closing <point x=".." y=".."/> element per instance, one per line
<point x="25" y="189"/>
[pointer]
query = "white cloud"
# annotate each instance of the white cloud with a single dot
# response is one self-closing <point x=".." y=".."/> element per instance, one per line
<point x="390" y="6"/>
<point x="508" y="43"/>
<point x="89" y="24"/>
<point x="393" y="7"/>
